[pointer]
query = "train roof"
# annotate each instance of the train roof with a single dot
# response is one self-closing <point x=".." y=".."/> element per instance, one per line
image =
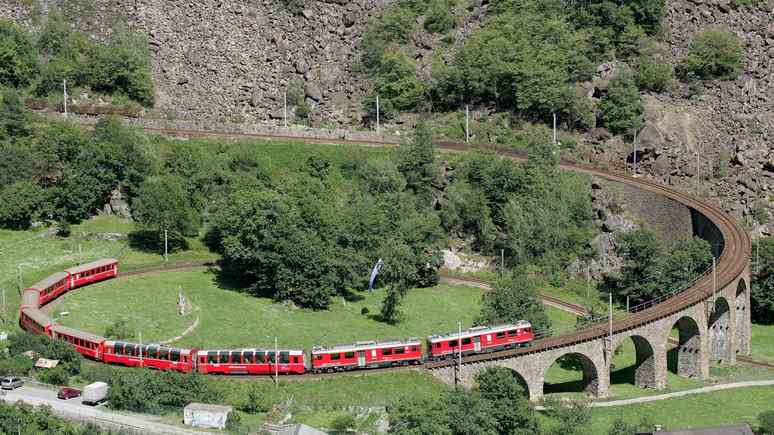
<point x="64" y="330"/>
<point x="366" y="345"/>
<point x="48" y="281"/>
<point x="38" y="316"/>
<point x="92" y="265"/>
<point x="478" y="330"/>
<point x="291" y="351"/>
<point x="31" y="298"/>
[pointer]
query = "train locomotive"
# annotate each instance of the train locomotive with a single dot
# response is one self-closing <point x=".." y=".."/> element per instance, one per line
<point x="344" y="357"/>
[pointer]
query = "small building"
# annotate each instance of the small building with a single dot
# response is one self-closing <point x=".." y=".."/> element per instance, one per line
<point x="740" y="429"/>
<point x="207" y="416"/>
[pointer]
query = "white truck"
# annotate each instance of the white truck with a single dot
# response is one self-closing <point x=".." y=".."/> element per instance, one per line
<point x="94" y="394"/>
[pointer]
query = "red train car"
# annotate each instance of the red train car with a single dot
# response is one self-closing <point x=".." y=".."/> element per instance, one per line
<point x="30" y="299"/>
<point x="153" y="356"/>
<point x="366" y="354"/>
<point x="51" y="287"/>
<point x="88" y="345"/>
<point x="92" y="272"/>
<point x="250" y="362"/>
<point x="480" y="339"/>
<point x="35" y="321"/>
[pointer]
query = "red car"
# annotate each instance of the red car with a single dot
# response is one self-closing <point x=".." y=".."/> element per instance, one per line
<point x="366" y="355"/>
<point x="480" y="339"/>
<point x="68" y="393"/>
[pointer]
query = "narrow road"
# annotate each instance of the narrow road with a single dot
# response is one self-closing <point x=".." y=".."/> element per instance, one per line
<point x="73" y="410"/>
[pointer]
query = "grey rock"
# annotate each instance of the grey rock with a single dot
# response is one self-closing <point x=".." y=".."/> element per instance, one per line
<point x="312" y="91"/>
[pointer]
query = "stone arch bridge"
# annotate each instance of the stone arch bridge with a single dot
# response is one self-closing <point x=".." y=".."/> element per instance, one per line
<point x="712" y="316"/>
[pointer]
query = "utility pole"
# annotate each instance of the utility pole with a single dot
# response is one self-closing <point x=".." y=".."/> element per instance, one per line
<point x="141" y="362"/>
<point x="714" y="283"/>
<point x="4" y="312"/>
<point x="166" y="246"/>
<point x="377" y="115"/>
<point x="276" y="362"/>
<point x="554" y="115"/>
<point x="502" y="263"/>
<point x="80" y="254"/>
<point x="285" y="108"/>
<point x="588" y="284"/>
<point x="64" y="98"/>
<point x="634" y="144"/>
<point x="467" y="123"/>
<point x="627" y="303"/>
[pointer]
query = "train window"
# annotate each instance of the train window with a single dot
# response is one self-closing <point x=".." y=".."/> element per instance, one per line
<point x="224" y="357"/>
<point x="318" y="357"/>
<point x="212" y="357"/>
<point x="260" y="357"/>
<point x="174" y="355"/>
<point x="236" y="357"/>
<point x="414" y="348"/>
<point x="501" y="334"/>
<point x="248" y="357"/>
<point x="284" y="357"/>
<point x="386" y="351"/>
<point x="335" y="356"/>
<point x="453" y="343"/>
<point x="270" y="357"/>
<point x="349" y="355"/>
<point x="164" y="353"/>
<point x="436" y="344"/>
<point x="512" y="333"/>
<point x="466" y="340"/>
<point x="399" y="351"/>
<point x="528" y="330"/>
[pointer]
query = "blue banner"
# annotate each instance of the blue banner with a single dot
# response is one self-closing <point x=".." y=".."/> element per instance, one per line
<point x="374" y="272"/>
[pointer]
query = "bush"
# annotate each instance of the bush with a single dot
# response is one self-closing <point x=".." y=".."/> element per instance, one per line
<point x="18" y="57"/>
<point x="766" y="423"/>
<point x="142" y="390"/>
<point x="343" y="423"/>
<point x="393" y="26"/>
<point x="714" y="54"/>
<point x="234" y="421"/>
<point x="20" y="204"/>
<point x="119" y="330"/>
<point x="439" y="18"/>
<point x="653" y="76"/>
<point x="397" y="86"/>
<point x="122" y="66"/>
<point x="55" y="376"/>
<point x="18" y="365"/>
<point x="621" y="108"/>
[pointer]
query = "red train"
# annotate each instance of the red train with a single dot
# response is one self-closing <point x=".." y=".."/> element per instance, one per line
<point x="356" y="356"/>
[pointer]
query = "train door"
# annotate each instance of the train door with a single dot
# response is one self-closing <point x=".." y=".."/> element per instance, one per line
<point x="477" y="343"/>
<point x="361" y="360"/>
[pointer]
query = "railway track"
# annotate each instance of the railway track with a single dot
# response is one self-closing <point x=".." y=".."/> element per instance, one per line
<point x="732" y="263"/>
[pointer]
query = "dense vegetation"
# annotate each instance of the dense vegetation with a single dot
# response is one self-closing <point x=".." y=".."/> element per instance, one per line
<point x="715" y="53"/>
<point x="762" y="294"/>
<point x="23" y="419"/>
<point x="39" y="63"/>
<point x="652" y="269"/>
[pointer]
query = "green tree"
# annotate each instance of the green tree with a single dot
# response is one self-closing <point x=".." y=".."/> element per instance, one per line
<point x="418" y="163"/>
<point x="652" y="75"/>
<point x="20" y="204"/>
<point x="685" y="261"/>
<point x="162" y="206"/>
<point x="465" y="213"/>
<point x="122" y="66"/>
<point x="14" y="117"/>
<point x="570" y="418"/>
<point x="621" y="108"/>
<point x="470" y="414"/>
<point x="766" y="423"/>
<point x="344" y="423"/>
<point x="762" y="292"/>
<point x="714" y="54"/>
<point x="393" y="25"/>
<point x="510" y="403"/>
<point x="640" y="250"/>
<point x="18" y="57"/>
<point x="439" y="18"/>
<point x="396" y="84"/>
<point x="419" y="417"/>
<point x="512" y="299"/>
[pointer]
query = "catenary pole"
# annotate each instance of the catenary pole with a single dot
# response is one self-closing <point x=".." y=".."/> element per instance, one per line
<point x="610" y="319"/>
<point x="554" y="115"/>
<point x="502" y="263"/>
<point x="141" y="362"/>
<point x="166" y="246"/>
<point x="459" y="346"/>
<point x="634" y="144"/>
<point x="4" y="312"/>
<point x="467" y="123"/>
<point x="64" y="97"/>
<point x="285" y="108"/>
<point x="714" y="283"/>
<point x="18" y="267"/>
<point x="276" y="363"/>
<point x="377" y="115"/>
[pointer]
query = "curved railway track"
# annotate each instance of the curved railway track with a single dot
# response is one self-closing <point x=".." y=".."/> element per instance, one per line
<point x="733" y="260"/>
<point x="732" y="263"/>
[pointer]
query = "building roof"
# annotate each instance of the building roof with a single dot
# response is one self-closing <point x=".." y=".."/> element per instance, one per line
<point x="740" y="429"/>
<point x="206" y="407"/>
<point x="92" y="265"/>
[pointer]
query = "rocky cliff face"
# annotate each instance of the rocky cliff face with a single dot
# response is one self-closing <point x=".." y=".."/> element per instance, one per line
<point x="717" y="138"/>
<point x="233" y="59"/>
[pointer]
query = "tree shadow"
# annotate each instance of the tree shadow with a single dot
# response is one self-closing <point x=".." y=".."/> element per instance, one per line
<point x="672" y="357"/>
<point x="351" y="296"/>
<point x="149" y="241"/>
<point x="623" y="376"/>
<point x="564" y="387"/>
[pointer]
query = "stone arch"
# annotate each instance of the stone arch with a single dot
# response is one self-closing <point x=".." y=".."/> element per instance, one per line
<point x="645" y="363"/>
<point x="742" y="318"/>
<point x="590" y="381"/>
<point x="688" y="350"/>
<point x="719" y="331"/>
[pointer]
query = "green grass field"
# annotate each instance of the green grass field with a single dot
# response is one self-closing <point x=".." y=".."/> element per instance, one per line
<point x="762" y="342"/>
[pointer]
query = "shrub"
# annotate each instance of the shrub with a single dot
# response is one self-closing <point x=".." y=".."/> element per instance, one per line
<point x="652" y="75"/>
<point x="714" y="53"/>
<point x="18" y="57"/>
<point x="20" y="204"/>
<point x="396" y="84"/>
<point x="393" y="26"/>
<point x="766" y="423"/>
<point x="18" y="365"/>
<point x="343" y="423"/>
<point x="55" y="376"/>
<point x="119" y="330"/>
<point x="439" y="18"/>
<point x="621" y="108"/>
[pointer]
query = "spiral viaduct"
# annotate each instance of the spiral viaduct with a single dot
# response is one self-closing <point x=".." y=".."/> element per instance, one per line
<point x="712" y="316"/>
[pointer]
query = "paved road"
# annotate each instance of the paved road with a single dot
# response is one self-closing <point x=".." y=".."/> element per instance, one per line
<point x="667" y="396"/>
<point x="73" y="410"/>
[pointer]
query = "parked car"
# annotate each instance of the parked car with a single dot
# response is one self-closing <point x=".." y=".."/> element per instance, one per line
<point x="11" y="383"/>
<point x="68" y="393"/>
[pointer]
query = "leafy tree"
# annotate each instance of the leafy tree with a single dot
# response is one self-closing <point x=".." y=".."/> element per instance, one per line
<point x="20" y="204"/>
<point x="14" y="117"/>
<point x="621" y="108"/>
<point x="22" y="161"/>
<point x="418" y="163"/>
<point x="119" y="330"/>
<point x="343" y="423"/>
<point x="766" y="423"/>
<point x="510" y="404"/>
<point x="380" y="177"/>
<point x="393" y="26"/>
<point x="439" y="18"/>
<point x="18" y="57"/>
<point x="652" y="75"/>
<point x="396" y="84"/>
<point x="390" y="311"/>
<point x="714" y="54"/>
<point x="161" y="204"/>
<point x="571" y="418"/>
<point x="470" y="414"/>
<point x="512" y="299"/>
<point x="640" y="249"/>
<point x="465" y="212"/>
<point x="148" y="391"/>
<point x="419" y="417"/>
<point x="685" y="261"/>
<point x="762" y="292"/>
<point x="122" y="66"/>
<point x="621" y="427"/>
